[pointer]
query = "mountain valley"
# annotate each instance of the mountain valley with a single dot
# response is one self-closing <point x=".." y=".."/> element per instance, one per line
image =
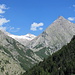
<point x="20" y="53"/>
<point x="61" y="62"/>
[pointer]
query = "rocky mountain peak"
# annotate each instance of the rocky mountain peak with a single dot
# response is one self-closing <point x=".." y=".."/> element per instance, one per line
<point x="61" y="17"/>
<point x="59" y="33"/>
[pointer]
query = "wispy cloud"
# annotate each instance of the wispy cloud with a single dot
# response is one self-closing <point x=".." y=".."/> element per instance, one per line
<point x="40" y="28"/>
<point x="2" y="28"/>
<point x="73" y="5"/>
<point x="36" y="26"/>
<point x="1" y="11"/>
<point x="13" y="29"/>
<point x="71" y="18"/>
<point x="1" y="16"/>
<point x="2" y="8"/>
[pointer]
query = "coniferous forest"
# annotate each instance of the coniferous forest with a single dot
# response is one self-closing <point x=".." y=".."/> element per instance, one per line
<point x="60" y="63"/>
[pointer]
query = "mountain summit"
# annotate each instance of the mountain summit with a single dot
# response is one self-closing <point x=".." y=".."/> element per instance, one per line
<point x="59" y="33"/>
<point x="23" y="39"/>
<point x="61" y="17"/>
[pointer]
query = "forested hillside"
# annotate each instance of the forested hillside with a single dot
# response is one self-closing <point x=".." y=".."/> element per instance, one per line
<point x="60" y="63"/>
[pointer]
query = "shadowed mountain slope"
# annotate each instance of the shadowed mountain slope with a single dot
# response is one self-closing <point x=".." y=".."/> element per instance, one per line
<point x="61" y="62"/>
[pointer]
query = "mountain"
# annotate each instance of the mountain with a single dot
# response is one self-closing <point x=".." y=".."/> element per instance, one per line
<point x="59" y="33"/>
<point x="61" y="62"/>
<point x="27" y="54"/>
<point x="15" y="54"/>
<point x="8" y="66"/>
<point x="23" y="39"/>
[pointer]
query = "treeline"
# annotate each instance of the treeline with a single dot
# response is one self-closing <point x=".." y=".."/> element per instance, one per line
<point x="60" y="63"/>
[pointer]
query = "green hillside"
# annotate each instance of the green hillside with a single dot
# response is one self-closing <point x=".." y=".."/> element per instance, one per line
<point x="60" y="63"/>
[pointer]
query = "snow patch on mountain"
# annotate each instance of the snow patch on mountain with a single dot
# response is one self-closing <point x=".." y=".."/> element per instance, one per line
<point x="23" y="39"/>
<point x="26" y="37"/>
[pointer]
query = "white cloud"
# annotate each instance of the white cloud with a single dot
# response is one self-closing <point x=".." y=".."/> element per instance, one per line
<point x="40" y="28"/>
<point x="3" y="21"/>
<point x="1" y="11"/>
<point x="2" y="7"/>
<point x="71" y="18"/>
<point x="36" y="26"/>
<point x="12" y="29"/>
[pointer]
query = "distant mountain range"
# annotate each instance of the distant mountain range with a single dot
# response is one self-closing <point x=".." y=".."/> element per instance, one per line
<point x="27" y="50"/>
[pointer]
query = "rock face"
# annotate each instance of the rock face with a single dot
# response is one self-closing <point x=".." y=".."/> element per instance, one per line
<point x="59" y="33"/>
<point x="19" y="54"/>
<point x="8" y="66"/>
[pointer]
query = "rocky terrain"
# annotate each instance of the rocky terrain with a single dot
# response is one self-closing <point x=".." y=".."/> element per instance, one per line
<point x="21" y="56"/>
<point x="25" y="51"/>
<point x="58" y="34"/>
<point x="61" y="62"/>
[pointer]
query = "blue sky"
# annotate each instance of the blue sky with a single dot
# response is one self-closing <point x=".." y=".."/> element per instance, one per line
<point x="20" y="17"/>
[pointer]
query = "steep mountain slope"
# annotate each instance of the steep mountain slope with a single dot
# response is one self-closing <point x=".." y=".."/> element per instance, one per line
<point x="23" y="39"/>
<point x="60" y="63"/>
<point x="8" y="66"/>
<point x="19" y="53"/>
<point x="59" y="33"/>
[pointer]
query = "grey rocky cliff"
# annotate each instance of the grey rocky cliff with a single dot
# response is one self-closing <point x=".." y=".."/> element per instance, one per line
<point x="59" y="33"/>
